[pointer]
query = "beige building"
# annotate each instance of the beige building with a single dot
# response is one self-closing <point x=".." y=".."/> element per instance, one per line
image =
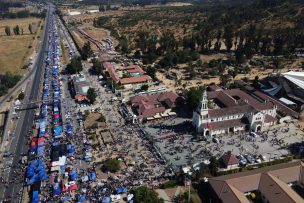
<point x="274" y="184"/>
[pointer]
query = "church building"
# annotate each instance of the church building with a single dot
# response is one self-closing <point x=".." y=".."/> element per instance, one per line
<point x="228" y="111"/>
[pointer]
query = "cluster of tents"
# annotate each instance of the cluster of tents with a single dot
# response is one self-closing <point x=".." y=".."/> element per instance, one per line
<point x="37" y="170"/>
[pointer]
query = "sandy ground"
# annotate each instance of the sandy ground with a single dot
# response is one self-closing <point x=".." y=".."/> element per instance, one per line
<point x="79" y="40"/>
<point x="99" y="33"/>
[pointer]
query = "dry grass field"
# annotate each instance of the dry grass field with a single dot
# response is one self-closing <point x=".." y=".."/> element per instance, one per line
<point x="78" y="38"/>
<point x="15" y="49"/>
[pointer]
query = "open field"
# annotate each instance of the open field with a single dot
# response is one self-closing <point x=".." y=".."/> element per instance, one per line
<point x="15" y="49"/>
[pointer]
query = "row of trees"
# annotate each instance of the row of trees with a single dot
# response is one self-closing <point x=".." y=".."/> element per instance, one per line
<point x="238" y="27"/>
<point x="22" y="14"/>
<point x="17" y="30"/>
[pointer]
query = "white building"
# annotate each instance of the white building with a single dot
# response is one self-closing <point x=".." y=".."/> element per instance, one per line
<point x="229" y="111"/>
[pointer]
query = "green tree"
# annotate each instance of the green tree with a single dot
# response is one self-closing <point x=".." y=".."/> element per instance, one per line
<point x="17" y="30"/>
<point x="255" y="82"/>
<point x="144" y="194"/>
<point x="142" y="40"/>
<point x="233" y="72"/>
<point x="194" y="97"/>
<point x="277" y="62"/>
<point x="124" y="45"/>
<point x="112" y="165"/>
<point x="168" y="43"/>
<point x="144" y="87"/>
<point x="213" y="166"/>
<point x="239" y="56"/>
<point x="97" y="67"/>
<point x="21" y="96"/>
<point x="7" y="30"/>
<point x="30" y="28"/>
<point x="74" y="66"/>
<point x="86" y="51"/>
<point x="228" y="36"/>
<point x="91" y="95"/>
<point x="225" y="79"/>
<point x="151" y="71"/>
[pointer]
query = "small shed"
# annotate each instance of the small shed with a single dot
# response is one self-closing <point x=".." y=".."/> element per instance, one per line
<point x="229" y="160"/>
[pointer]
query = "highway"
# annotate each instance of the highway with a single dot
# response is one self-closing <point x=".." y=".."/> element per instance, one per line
<point x="12" y="173"/>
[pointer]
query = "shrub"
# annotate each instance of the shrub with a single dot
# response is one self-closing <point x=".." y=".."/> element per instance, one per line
<point x="112" y="165"/>
<point x="168" y="184"/>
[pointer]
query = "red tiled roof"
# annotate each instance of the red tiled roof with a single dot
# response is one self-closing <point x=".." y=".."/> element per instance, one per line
<point x="269" y="119"/>
<point x="131" y="69"/>
<point x="233" y="110"/>
<point x="223" y="97"/>
<point x="80" y="97"/>
<point x="280" y="106"/>
<point x="229" y="159"/>
<point x="149" y="105"/>
<point x="143" y="78"/>
<point x="109" y="67"/>
<point x="254" y="102"/>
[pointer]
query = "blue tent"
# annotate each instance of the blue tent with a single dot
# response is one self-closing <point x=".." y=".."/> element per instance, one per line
<point x="56" y="143"/>
<point x="36" y="172"/>
<point x="56" y="189"/>
<point x="121" y="190"/>
<point x="92" y="176"/>
<point x="81" y="198"/>
<point x="66" y="198"/>
<point x="73" y="175"/>
<point x="35" y="197"/>
<point x="70" y="149"/>
<point x="106" y="200"/>
<point x="57" y="130"/>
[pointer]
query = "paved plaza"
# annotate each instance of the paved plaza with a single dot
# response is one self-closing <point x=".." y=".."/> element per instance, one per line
<point x="177" y="142"/>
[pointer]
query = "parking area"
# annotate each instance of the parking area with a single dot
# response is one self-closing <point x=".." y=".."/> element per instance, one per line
<point x="177" y="142"/>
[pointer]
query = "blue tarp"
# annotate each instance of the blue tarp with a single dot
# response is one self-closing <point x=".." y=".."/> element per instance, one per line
<point x="36" y="172"/>
<point x="121" y="190"/>
<point x="66" y="198"/>
<point x="56" y="189"/>
<point x="35" y="197"/>
<point x="40" y="151"/>
<point x="73" y="175"/>
<point x="106" y="200"/>
<point x="81" y="198"/>
<point x="70" y="149"/>
<point x="92" y="176"/>
<point x="57" y="130"/>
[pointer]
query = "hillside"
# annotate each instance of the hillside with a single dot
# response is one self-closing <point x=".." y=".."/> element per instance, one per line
<point x="279" y="20"/>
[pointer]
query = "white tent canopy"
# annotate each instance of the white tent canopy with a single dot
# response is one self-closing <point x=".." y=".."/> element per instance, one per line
<point x="295" y="77"/>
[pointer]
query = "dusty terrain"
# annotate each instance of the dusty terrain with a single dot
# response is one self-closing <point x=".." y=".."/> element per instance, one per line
<point x="15" y="49"/>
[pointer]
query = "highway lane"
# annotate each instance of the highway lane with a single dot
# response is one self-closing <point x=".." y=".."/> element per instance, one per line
<point x="19" y="144"/>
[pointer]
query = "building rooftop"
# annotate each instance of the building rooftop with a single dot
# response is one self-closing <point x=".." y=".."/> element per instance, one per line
<point x="229" y="159"/>
<point x="149" y="105"/>
<point x="270" y="181"/>
<point x="236" y="101"/>
<point x="137" y="75"/>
